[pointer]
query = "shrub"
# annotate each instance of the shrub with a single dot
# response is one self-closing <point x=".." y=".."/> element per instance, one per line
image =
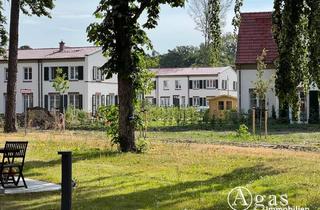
<point x="243" y="132"/>
<point x="142" y="145"/>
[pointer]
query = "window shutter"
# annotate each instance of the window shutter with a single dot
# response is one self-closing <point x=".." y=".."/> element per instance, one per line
<point x="46" y="73"/>
<point x="93" y="105"/>
<point x="204" y="102"/>
<point x="200" y="84"/>
<point x="65" y="72"/>
<point x="154" y="101"/>
<point x="204" y="84"/>
<point x="154" y="85"/>
<point x="116" y="98"/>
<point x="80" y="72"/>
<point x="46" y="102"/>
<point x="217" y="84"/>
<point x="80" y="102"/>
<point x="200" y="100"/>
<point x="190" y="101"/>
<point x="94" y="73"/>
<point x="65" y="102"/>
<point x="190" y="84"/>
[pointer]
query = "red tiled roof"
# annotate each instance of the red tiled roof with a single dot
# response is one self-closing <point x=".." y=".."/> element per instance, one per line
<point x="193" y="71"/>
<point x="55" y="53"/>
<point x="255" y="33"/>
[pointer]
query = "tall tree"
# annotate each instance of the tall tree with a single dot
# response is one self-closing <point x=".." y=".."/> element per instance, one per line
<point x="29" y="7"/>
<point x="200" y="11"/>
<point x="123" y="39"/>
<point x="291" y="31"/>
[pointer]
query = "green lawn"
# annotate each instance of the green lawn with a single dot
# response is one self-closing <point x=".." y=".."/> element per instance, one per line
<point x="170" y="175"/>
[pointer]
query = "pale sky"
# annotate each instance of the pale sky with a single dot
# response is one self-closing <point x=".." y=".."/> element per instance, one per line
<point x="70" y="19"/>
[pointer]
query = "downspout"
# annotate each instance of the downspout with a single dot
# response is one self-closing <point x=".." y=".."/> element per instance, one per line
<point x="188" y="96"/>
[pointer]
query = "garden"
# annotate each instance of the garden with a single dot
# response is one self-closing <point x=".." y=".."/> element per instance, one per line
<point x="180" y="170"/>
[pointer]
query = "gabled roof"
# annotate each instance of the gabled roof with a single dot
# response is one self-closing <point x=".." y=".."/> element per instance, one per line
<point x="55" y="53"/>
<point x="255" y="33"/>
<point x="192" y="71"/>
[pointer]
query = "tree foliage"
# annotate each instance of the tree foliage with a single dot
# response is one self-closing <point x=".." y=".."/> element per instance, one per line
<point x="200" y="11"/>
<point x="60" y="82"/>
<point x="124" y="40"/>
<point x="295" y="29"/>
<point x="188" y="56"/>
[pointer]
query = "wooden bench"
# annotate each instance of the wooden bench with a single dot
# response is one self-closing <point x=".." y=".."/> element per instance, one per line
<point x="11" y="167"/>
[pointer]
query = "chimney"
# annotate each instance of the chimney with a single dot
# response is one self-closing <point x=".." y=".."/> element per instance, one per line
<point x="61" y="46"/>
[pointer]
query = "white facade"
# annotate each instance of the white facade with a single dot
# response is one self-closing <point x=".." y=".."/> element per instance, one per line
<point x="246" y="100"/>
<point x="88" y="89"/>
<point x="191" y="86"/>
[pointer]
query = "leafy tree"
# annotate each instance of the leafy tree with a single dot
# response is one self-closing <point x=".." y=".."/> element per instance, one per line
<point x="123" y="39"/>
<point x="25" y="47"/>
<point x="29" y="7"/>
<point x="3" y="32"/>
<point x="60" y="83"/>
<point x="292" y="30"/>
<point x="200" y="12"/>
<point x="181" y="56"/>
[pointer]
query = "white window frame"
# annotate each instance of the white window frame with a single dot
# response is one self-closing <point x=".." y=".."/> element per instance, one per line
<point x="211" y="84"/>
<point x="183" y="101"/>
<point x="27" y="99"/>
<point x="166" y="84"/>
<point x="165" y="101"/>
<point x="196" y="101"/>
<point x="224" y="84"/>
<point x="27" y="71"/>
<point x="97" y="74"/>
<point x="178" y="84"/>
<point x="74" y="100"/>
<point x="196" y="84"/>
<point x="55" y="101"/>
<point x="73" y="73"/>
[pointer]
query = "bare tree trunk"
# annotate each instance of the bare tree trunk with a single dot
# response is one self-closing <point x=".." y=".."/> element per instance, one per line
<point x="125" y="82"/>
<point x="10" y="115"/>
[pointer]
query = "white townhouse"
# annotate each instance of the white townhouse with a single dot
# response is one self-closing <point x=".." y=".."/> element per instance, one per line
<point x="37" y="69"/>
<point x="191" y="86"/>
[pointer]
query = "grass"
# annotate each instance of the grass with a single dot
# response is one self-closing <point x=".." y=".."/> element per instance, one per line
<point x="170" y="175"/>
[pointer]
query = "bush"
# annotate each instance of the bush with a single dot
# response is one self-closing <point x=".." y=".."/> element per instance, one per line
<point x="243" y="132"/>
<point x="142" y="145"/>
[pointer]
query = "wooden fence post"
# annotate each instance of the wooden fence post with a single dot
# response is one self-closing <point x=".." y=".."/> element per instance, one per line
<point x="254" y="120"/>
<point x="266" y="123"/>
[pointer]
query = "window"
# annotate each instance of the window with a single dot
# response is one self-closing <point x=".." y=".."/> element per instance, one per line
<point x="234" y="85"/>
<point x="166" y="85"/>
<point x="27" y="101"/>
<point x="229" y="105"/>
<point x="52" y="73"/>
<point x="252" y="98"/>
<point x="221" y="105"/>
<point x="27" y="74"/>
<point x="74" y="73"/>
<point x="178" y="84"/>
<point x="196" y="101"/>
<point x="97" y="74"/>
<point x="165" y="101"/>
<point x="74" y="100"/>
<point x="183" y="101"/>
<point x="196" y="84"/>
<point x="210" y="83"/>
<point x="224" y="84"/>
<point x="6" y="74"/>
<point x="149" y="100"/>
<point x="5" y="101"/>
<point x="54" y="102"/>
